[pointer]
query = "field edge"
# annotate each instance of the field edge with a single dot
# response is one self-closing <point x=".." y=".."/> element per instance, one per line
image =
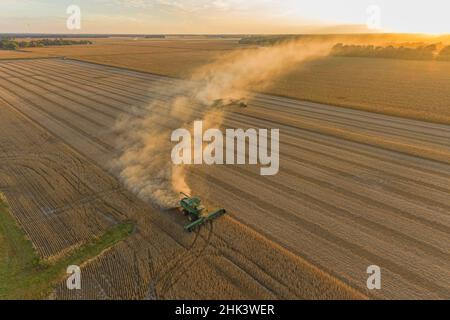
<point x="38" y="277"/>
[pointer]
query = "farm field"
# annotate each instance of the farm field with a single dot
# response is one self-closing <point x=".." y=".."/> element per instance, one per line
<point x="42" y="148"/>
<point x="412" y="89"/>
<point x="344" y="198"/>
<point x="176" y="58"/>
<point x="38" y="277"/>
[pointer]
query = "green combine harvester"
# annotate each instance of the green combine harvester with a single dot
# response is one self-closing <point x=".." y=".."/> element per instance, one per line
<point x="197" y="214"/>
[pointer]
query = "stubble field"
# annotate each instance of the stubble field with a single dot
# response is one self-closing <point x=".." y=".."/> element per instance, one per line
<point x="337" y="206"/>
<point x="52" y="179"/>
<point x="412" y="89"/>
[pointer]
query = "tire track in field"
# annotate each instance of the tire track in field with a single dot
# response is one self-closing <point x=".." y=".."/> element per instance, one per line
<point x="85" y="87"/>
<point x="277" y="209"/>
<point x="286" y="155"/>
<point x="111" y="147"/>
<point x="59" y="119"/>
<point x="346" y="122"/>
<point x="268" y="101"/>
<point x="310" y="229"/>
<point x="379" y="150"/>
<point x="354" y="150"/>
<point x="330" y="237"/>
<point x="184" y="261"/>
<point x="69" y="110"/>
<point x="254" y="117"/>
<point x="64" y="96"/>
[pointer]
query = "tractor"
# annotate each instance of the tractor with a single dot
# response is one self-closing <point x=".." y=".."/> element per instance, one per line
<point x="196" y="213"/>
<point x="222" y="103"/>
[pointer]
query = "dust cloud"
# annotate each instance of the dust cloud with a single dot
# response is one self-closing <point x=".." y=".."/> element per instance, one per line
<point x="144" y="162"/>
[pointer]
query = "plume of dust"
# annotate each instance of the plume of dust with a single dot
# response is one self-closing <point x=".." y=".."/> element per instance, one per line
<point x="144" y="162"/>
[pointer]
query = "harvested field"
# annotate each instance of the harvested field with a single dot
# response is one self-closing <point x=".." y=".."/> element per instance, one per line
<point x="360" y="83"/>
<point x="168" y="57"/>
<point x="344" y="198"/>
<point x="24" y="275"/>
<point x="63" y="199"/>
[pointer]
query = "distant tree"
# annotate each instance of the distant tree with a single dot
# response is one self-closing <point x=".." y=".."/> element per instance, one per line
<point x="444" y="54"/>
<point x="423" y="52"/>
<point x="6" y="44"/>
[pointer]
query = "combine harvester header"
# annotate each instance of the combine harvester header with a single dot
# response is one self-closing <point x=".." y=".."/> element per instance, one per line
<point x="196" y="212"/>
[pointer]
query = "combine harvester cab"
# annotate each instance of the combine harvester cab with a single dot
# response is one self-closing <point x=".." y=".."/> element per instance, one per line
<point x="196" y="213"/>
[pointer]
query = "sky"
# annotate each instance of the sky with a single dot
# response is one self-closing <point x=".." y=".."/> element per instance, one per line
<point x="227" y="16"/>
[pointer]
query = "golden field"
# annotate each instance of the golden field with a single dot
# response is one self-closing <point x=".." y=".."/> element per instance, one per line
<point x="413" y="89"/>
<point x="84" y="221"/>
<point x="309" y="232"/>
<point x="176" y="58"/>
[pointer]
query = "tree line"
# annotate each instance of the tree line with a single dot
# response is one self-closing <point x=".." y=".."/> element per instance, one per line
<point x="11" y="44"/>
<point x="420" y="52"/>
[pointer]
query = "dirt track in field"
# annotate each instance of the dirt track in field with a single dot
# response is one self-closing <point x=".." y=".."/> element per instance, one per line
<point x="343" y="200"/>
